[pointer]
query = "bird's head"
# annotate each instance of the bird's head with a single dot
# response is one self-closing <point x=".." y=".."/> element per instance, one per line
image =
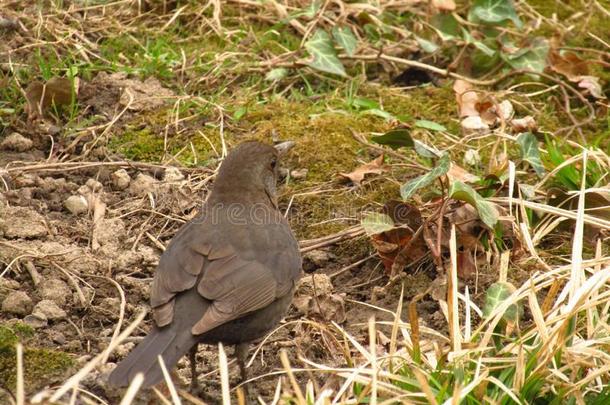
<point x="248" y="174"/>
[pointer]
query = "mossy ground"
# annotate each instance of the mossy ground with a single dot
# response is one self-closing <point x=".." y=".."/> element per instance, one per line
<point x="41" y="366"/>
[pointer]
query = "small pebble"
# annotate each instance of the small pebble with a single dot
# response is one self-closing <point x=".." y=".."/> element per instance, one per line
<point x="94" y="185"/>
<point x="143" y="184"/>
<point x="16" y="142"/>
<point x="36" y="320"/>
<point x="299" y="174"/>
<point x="18" y="303"/>
<point x="76" y="204"/>
<point x="50" y="310"/>
<point x="120" y="179"/>
<point x="7" y="286"/>
<point x="173" y="174"/>
<point x="55" y="290"/>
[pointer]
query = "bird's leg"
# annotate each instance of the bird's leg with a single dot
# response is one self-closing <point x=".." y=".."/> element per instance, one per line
<point x="241" y="351"/>
<point x="193" y="359"/>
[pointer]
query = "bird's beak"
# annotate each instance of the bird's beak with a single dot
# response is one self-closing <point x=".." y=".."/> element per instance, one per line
<point x="284" y="147"/>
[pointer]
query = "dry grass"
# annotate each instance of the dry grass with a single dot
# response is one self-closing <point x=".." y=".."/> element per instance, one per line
<point x="559" y="350"/>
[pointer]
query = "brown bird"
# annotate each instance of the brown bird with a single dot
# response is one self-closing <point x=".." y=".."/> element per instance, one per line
<point x="227" y="276"/>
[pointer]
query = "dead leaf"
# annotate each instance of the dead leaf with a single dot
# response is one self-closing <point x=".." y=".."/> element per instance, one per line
<point x="525" y="124"/>
<point x="493" y="113"/>
<point x="505" y="110"/>
<point x="466" y="98"/>
<point x="487" y="113"/>
<point x="474" y="125"/>
<point x="466" y="266"/>
<point x="392" y="245"/>
<point x="591" y="83"/>
<point x="56" y="91"/>
<point x="468" y="225"/>
<point x="375" y="166"/>
<point x="444" y="5"/>
<point x="576" y="70"/>
<point x="568" y="64"/>
<point x="472" y="158"/>
<point x="460" y="174"/>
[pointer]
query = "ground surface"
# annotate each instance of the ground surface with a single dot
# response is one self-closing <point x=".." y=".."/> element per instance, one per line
<point x="92" y="194"/>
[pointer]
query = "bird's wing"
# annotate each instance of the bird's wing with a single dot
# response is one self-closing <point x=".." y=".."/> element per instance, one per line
<point x="234" y="286"/>
<point x="177" y="271"/>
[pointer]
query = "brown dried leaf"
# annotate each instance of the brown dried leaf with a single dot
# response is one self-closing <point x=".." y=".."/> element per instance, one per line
<point x="493" y="114"/>
<point x="466" y="98"/>
<point x="460" y="174"/>
<point x="525" y="124"/>
<point x="474" y="125"/>
<point x="375" y="166"/>
<point x="466" y="266"/>
<point x="390" y="245"/>
<point x="487" y="112"/>
<point x="42" y="96"/>
<point x="569" y="65"/>
<point x="591" y="83"/>
<point x="468" y="227"/>
<point x="444" y="5"/>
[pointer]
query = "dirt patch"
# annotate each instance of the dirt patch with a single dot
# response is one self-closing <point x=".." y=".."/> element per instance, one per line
<point x="68" y="261"/>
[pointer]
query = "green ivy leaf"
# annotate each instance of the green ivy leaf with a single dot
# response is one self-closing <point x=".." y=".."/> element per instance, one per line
<point x="486" y="210"/>
<point x="380" y="113"/>
<point x="345" y="39"/>
<point x="276" y="74"/>
<point x="495" y="295"/>
<point x="409" y="188"/>
<point x="446" y="26"/>
<point x="364" y="103"/>
<point x="431" y="125"/>
<point x="325" y="58"/>
<point x="240" y="112"/>
<point x="395" y="139"/>
<point x="494" y="12"/>
<point x="311" y="10"/>
<point x="376" y="222"/>
<point x="532" y="58"/>
<point x="481" y="46"/>
<point x="427" y="46"/>
<point x="426" y="151"/>
<point x="530" y="153"/>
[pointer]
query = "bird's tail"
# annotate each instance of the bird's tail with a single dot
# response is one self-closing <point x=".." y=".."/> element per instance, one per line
<point x="169" y="342"/>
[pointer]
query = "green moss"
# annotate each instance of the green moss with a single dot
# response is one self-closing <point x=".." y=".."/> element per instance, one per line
<point x="139" y="145"/>
<point x="41" y="366"/>
<point x="325" y="145"/>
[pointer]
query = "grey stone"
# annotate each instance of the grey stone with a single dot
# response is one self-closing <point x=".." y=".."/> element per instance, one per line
<point x="76" y="204"/>
<point x="18" y="303"/>
<point x="143" y="184"/>
<point x="17" y="142"/>
<point x="50" y="310"/>
<point x="36" y="320"/>
<point x="120" y="179"/>
<point x="173" y="174"/>
<point x="21" y="222"/>
<point x="55" y="290"/>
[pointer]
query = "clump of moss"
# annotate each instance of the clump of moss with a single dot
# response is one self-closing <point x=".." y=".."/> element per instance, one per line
<point x="41" y="366"/>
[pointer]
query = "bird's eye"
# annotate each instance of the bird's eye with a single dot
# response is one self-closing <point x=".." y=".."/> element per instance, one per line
<point x="273" y="163"/>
